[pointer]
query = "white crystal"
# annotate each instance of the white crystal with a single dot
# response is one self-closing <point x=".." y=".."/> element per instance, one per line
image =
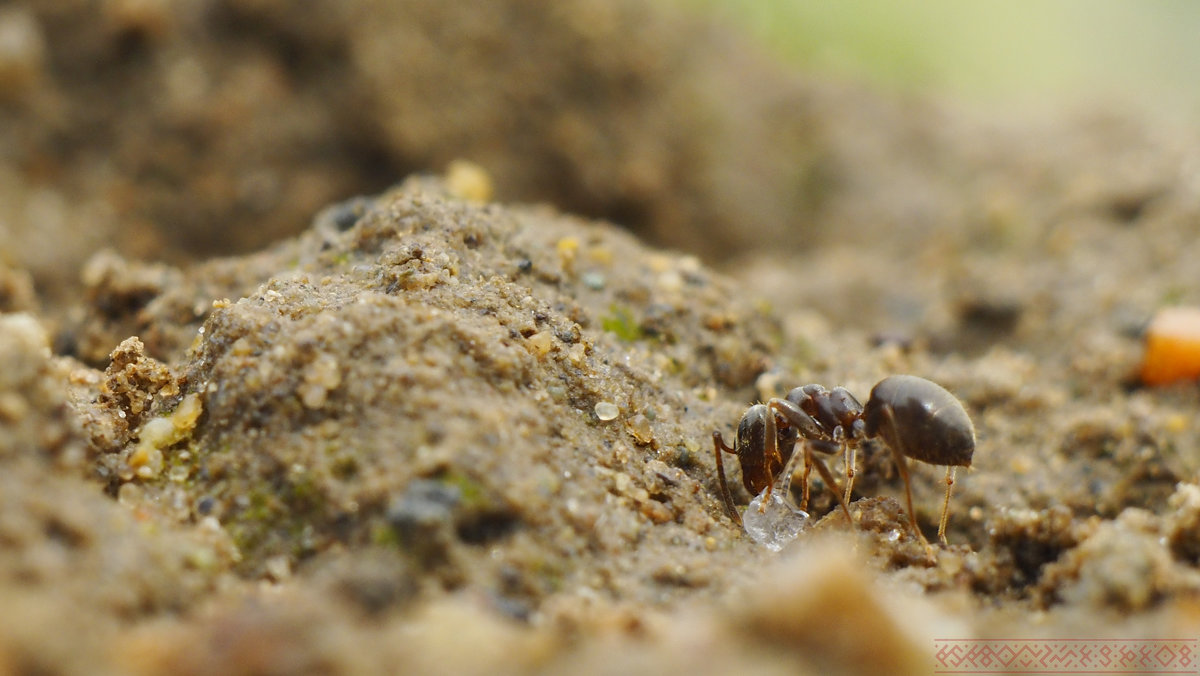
<point x="775" y="523"/>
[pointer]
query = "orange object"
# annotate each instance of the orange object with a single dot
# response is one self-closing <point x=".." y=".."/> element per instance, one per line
<point x="1172" y="346"/>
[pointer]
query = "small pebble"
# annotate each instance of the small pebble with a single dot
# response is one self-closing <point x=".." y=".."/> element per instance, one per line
<point x="125" y="472"/>
<point x="312" y="396"/>
<point x="278" y="568"/>
<point x="129" y="495"/>
<point x="469" y="181"/>
<point x="607" y="410"/>
<point x="577" y="353"/>
<point x="670" y="281"/>
<point x="593" y="280"/>
<point x="568" y="250"/>
<point x="347" y="214"/>
<point x="639" y="428"/>
<point x="147" y="462"/>
<point x="656" y="511"/>
<point x="205" y="505"/>
<point x="422" y="517"/>
<point x="540" y="343"/>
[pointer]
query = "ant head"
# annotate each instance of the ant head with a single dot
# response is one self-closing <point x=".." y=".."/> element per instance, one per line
<point x="763" y="445"/>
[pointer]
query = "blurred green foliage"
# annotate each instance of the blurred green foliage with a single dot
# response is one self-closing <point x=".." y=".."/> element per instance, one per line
<point x="989" y="50"/>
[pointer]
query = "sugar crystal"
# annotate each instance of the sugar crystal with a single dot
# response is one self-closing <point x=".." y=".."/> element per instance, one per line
<point x="775" y="523"/>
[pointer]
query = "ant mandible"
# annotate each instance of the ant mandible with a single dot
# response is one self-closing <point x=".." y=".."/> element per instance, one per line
<point x="916" y="418"/>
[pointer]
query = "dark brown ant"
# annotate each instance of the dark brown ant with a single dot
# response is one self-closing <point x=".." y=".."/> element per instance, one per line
<point x="766" y="439"/>
<point x="916" y="418"/>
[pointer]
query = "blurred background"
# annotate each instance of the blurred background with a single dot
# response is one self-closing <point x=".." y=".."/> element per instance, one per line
<point x="176" y="130"/>
<point x="990" y="50"/>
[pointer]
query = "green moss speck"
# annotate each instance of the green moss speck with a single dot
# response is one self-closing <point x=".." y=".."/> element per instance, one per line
<point x="383" y="535"/>
<point x="1173" y="295"/>
<point x="621" y="322"/>
<point x="302" y="493"/>
<point x="471" y="491"/>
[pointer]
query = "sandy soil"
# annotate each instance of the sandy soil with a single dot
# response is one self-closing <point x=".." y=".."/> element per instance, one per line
<point x="443" y="429"/>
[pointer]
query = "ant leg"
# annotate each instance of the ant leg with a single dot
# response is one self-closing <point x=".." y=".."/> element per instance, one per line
<point x="807" y="428"/>
<point x="770" y="450"/>
<point x="839" y="438"/>
<point x="902" y="465"/>
<point x="946" y="505"/>
<point x="854" y="436"/>
<point x="718" y="446"/>
<point x="828" y="478"/>
<point x="807" y="472"/>
<point x="788" y="473"/>
<point x="849" y="456"/>
<point x="796" y="417"/>
<point x="899" y="456"/>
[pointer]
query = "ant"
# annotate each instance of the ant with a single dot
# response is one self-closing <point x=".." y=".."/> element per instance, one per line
<point x="915" y="417"/>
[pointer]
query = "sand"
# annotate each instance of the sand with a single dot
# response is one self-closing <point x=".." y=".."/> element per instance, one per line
<point x="462" y="422"/>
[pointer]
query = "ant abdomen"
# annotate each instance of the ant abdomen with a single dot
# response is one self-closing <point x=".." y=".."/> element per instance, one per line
<point x="921" y="420"/>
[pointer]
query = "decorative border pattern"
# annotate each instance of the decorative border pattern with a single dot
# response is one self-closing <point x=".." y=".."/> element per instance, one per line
<point x="1067" y="656"/>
